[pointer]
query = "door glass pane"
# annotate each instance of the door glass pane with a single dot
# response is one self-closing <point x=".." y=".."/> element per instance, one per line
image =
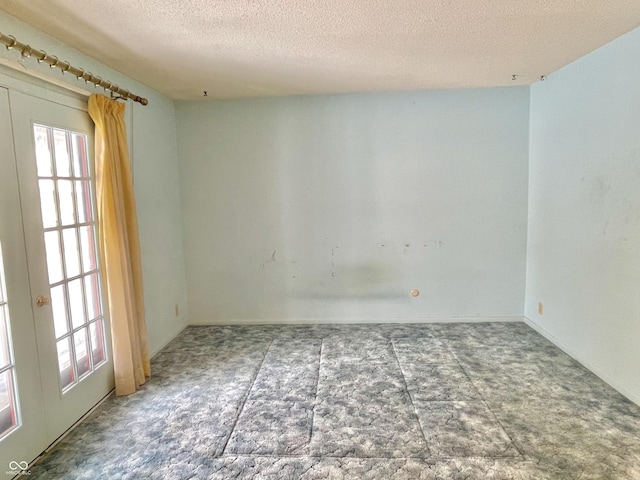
<point x="71" y="253"/>
<point x="91" y="288"/>
<point x="5" y="352"/>
<point x="69" y="226"/>
<point x="67" y="375"/>
<point x="97" y="342"/>
<point x="48" y="203"/>
<point x="9" y="415"/>
<point x="83" y="363"/>
<point x="80" y="160"/>
<point x="43" y="155"/>
<point x="76" y="303"/>
<point x="65" y="193"/>
<point x="59" y="308"/>
<point x="83" y="197"/>
<point x="54" y="261"/>
<point x="88" y="247"/>
<point x="8" y="407"/>
<point x="63" y="164"/>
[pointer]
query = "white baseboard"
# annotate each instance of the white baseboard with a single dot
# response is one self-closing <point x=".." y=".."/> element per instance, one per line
<point x="351" y="320"/>
<point x="586" y="363"/>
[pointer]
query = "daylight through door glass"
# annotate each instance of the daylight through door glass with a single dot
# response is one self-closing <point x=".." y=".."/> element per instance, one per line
<point x="9" y="417"/>
<point x="68" y="220"/>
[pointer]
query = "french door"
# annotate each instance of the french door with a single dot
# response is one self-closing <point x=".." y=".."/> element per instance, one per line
<point x="22" y="435"/>
<point x="57" y="320"/>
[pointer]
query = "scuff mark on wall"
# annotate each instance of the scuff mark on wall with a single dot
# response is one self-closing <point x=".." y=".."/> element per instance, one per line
<point x="333" y="252"/>
<point x="271" y="259"/>
<point x="435" y="243"/>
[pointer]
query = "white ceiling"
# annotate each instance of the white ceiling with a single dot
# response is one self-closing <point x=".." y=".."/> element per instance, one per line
<point x="248" y="48"/>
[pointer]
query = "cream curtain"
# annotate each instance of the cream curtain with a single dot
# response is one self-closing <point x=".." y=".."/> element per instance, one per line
<point x="120" y="245"/>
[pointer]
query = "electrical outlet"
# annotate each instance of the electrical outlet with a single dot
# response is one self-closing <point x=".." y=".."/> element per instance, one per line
<point x="177" y="310"/>
<point x="540" y="308"/>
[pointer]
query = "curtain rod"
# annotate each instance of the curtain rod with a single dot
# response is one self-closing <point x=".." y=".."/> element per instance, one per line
<point x="25" y="50"/>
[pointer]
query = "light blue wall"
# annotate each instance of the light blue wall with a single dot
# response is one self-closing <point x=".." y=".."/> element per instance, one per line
<point x="332" y="208"/>
<point x="439" y="178"/>
<point x="583" y="258"/>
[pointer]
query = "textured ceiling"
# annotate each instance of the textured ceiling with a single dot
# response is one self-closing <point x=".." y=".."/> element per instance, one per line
<point x="248" y="48"/>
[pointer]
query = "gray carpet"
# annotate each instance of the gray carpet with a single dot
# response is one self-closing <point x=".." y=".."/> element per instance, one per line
<point x="435" y="401"/>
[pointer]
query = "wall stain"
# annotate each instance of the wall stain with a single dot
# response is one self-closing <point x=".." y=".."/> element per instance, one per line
<point x="272" y="259"/>
<point x="333" y="252"/>
<point x="434" y="243"/>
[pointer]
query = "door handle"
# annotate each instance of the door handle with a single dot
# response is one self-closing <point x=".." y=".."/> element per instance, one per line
<point x="41" y="301"/>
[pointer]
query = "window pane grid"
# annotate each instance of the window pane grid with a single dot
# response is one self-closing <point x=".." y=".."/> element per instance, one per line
<point x="9" y="407"/>
<point x="58" y="229"/>
<point x="93" y="355"/>
<point x="56" y="192"/>
<point x="65" y="176"/>
<point x="70" y="333"/>
<point x="75" y="277"/>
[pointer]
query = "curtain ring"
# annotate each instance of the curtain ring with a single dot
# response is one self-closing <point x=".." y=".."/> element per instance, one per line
<point x="40" y="60"/>
<point x="89" y="75"/>
<point x="78" y="77"/>
<point x="26" y="53"/>
<point x="65" y="69"/>
<point x="97" y="83"/>
<point x="9" y="47"/>
<point x="51" y="65"/>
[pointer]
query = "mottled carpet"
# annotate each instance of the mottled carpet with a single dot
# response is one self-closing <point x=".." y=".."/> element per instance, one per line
<point x="428" y="401"/>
